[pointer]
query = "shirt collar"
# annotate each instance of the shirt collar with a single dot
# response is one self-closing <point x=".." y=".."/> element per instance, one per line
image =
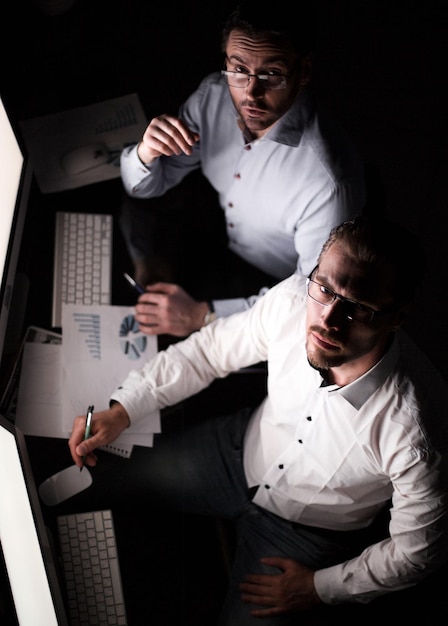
<point x="289" y="128"/>
<point x="361" y="389"/>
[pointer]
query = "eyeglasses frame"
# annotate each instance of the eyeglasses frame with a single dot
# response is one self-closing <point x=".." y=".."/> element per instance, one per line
<point x="337" y="296"/>
<point x="260" y="77"/>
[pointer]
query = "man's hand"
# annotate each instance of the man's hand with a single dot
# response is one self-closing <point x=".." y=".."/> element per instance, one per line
<point x="105" y="428"/>
<point x="166" y="308"/>
<point x="166" y="135"/>
<point x="287" y="592"/>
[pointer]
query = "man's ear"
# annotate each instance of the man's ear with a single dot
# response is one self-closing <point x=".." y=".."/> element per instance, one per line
<point x="306" y="66"/>
<point x="400" y="316"/>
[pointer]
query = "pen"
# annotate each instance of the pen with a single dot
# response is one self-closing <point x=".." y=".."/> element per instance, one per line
<point x="134" y="284"/>
<point x="87" y="431"/>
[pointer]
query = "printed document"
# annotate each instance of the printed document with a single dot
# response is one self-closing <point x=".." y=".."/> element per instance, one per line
<point x="58" y="381"/>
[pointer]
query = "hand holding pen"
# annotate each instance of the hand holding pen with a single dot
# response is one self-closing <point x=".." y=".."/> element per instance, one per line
<point x="87" y="436"/>
<point x="138" y="288"/>
<point x="87" y="430"/>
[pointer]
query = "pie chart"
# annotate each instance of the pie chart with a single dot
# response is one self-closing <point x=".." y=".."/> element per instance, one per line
<point x="132" y="341"/>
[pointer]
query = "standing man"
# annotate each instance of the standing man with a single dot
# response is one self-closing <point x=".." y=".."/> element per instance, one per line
<point x="354" y="424"/>
<point x="284" y="174"/>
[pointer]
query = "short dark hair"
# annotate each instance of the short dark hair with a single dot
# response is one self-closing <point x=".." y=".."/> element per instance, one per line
<point x="385" y="245"/>
<point x="281" y="24"/>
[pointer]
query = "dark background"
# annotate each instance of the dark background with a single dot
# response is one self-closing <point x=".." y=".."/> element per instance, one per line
<point x="380" y="65"/>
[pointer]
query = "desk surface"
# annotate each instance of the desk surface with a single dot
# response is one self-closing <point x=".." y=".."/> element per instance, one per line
<point x="154" y="554"/>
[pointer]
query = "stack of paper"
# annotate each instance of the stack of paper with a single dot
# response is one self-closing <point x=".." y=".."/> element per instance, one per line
<point x="101" y="344"/>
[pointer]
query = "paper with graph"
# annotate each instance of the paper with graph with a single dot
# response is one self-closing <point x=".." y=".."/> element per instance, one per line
<point x="81" y="146"/>
<point x="101" y="344"/>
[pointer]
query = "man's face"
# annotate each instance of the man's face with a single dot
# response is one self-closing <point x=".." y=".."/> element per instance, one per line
<point x="343" y="348"/>
<point x="260" y="108"/>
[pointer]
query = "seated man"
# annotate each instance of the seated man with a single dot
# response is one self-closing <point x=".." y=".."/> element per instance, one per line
<point x="284" y="174"/>
<point x="354" y="421"/>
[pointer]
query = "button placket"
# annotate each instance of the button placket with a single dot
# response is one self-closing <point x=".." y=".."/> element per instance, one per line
<point x="232" y="218"/>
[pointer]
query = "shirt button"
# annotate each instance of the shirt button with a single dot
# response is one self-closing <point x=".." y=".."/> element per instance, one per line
<point x="230" y="224"/>
<point x="248" y="147"/>
<point x="237" y="176"/>
<point x="267" y="487"/>
<point x="300" y="440"/>
<point x="230" y="204"/>
<point x="281" y="466"/>
<point x="309" y="418"/>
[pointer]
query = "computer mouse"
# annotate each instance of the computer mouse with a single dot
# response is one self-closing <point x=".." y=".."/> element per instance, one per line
<point x="85" y="158"/>
<point x="64" y="484"/>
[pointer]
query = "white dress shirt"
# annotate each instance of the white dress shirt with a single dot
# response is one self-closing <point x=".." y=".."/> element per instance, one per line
<point x="281" y="194"/>
<point x="325" y="456"/>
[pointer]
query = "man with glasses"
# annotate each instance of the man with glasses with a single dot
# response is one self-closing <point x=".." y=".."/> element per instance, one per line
<point x="337" y="481"/>
<point x="283" y="174"/>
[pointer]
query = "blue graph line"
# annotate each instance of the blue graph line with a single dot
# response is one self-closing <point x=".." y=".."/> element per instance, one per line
<point x="89" y="324"/>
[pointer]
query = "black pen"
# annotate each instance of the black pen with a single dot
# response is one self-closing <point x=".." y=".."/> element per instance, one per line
<point x="87" y="430"/>
<point x="133" y="283"/>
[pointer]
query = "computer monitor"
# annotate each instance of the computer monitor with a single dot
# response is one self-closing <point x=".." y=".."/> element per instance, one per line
<point x="30" y="589"/>
<point x="15" y="184"/>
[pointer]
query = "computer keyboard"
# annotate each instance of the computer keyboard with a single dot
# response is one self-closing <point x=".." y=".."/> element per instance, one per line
<point x="82" y="261"/>
<point x="91" y="569"/>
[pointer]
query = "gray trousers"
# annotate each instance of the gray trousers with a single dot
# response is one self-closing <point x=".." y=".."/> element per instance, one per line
<point x="199" y="470"/>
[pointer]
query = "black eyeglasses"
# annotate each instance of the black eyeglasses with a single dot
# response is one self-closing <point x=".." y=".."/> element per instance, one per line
<point x="354" y="311"/>
<point x="267" y="81"/>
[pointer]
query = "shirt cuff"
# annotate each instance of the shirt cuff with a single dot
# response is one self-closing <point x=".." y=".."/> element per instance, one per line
<point x="328" y="587"/>
<point x="223" y="308"/>
<point x="133" y="171"/>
